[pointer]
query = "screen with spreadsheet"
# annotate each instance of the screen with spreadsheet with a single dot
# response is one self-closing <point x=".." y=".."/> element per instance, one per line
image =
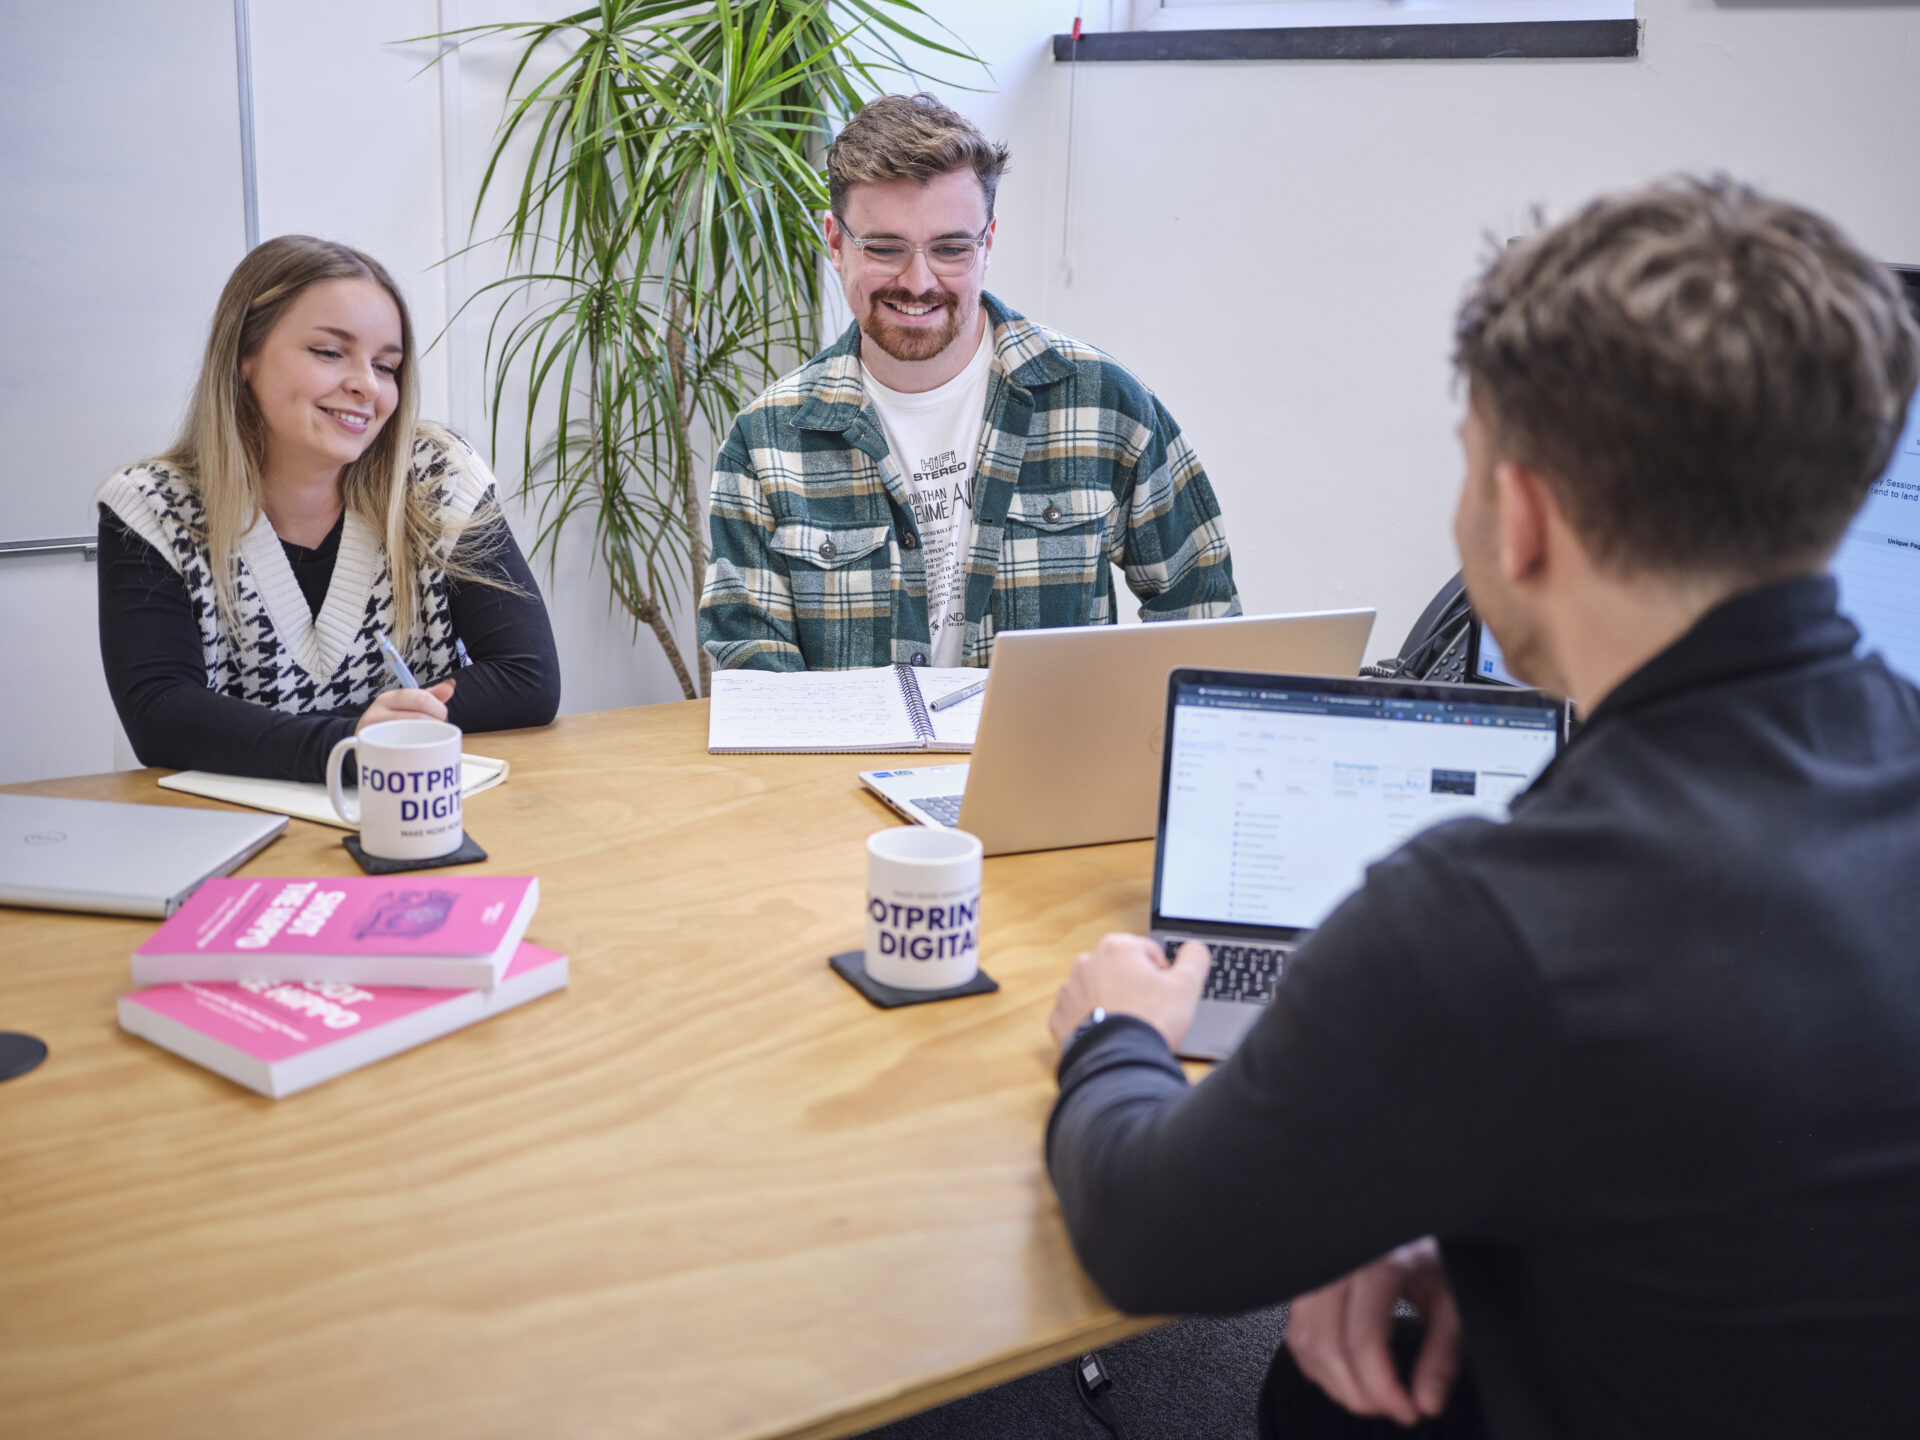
<point x="1278" y="799"/>
<point x="1878" y="563"/>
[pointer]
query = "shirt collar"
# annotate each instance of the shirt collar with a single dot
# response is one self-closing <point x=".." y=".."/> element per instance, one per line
<point x="1775" y="627"/>
<point x="833" y="394"/>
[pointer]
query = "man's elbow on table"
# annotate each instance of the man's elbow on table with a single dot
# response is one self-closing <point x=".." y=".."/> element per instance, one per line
<point x="1116" y="1212"/>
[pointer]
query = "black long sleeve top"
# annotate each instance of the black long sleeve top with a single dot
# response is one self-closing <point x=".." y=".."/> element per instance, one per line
<point x="1645" y="1058"/>
<point x="150" y="646"/>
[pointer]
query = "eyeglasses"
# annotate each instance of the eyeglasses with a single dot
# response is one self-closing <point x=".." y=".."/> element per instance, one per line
<point x="949" y="255"/>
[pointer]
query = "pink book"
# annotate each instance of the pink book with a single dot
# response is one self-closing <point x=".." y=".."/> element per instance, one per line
<point x="450" y="933"/>
<point x="279" y="1036"/>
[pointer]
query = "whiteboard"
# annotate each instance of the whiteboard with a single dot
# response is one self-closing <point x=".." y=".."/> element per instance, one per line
<point x="121" y="215"/>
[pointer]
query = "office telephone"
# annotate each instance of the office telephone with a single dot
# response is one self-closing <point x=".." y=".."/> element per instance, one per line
<point x="1438" y="645"/>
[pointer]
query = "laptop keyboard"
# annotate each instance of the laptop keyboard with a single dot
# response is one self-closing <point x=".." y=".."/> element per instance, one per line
<point x="1244" y="972"/>
<point x="944" y="808"/>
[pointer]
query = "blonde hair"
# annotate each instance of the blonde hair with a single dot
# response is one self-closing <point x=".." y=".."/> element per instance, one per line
<point x="910" y="137"/>
<point x="222" y="449"/>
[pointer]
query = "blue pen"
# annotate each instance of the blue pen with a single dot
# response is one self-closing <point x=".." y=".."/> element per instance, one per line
<point x="396" y="667"/>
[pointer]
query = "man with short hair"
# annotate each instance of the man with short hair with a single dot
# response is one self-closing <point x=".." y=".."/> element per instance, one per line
<point x="1626" y="1088"/>
<point x="947" y="469"/>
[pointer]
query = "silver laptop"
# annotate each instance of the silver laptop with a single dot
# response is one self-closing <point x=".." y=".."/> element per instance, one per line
<point x="1277" y="792"/>
<point x="1068" y="750"/>
<point x="115" y="859"/>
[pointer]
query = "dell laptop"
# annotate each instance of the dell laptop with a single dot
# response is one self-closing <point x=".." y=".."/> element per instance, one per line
<point x="119" y="859"/>
<point x="1068" y="749"/>
<point x="1277" y="792"/>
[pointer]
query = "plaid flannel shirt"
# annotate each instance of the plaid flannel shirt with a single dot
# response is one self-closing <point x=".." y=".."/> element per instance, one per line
<point x="817" y="564"/>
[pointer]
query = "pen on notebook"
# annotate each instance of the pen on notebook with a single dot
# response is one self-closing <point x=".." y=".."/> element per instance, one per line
<point x="396" y="667"/>
<point x="967" y="693"/>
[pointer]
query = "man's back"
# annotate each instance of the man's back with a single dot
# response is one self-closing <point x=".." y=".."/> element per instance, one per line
<point x="1718" y="895"/>
<point x="1646" y="1059"/>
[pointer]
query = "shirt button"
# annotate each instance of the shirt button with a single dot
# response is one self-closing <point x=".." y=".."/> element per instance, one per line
<point x="909" y="541"/>
<point x="919" y="657"/>
<point x="1050" y="514"/>
<point x="827" y="550"/>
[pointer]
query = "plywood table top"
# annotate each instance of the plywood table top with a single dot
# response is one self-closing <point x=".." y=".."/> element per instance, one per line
<point x="707" y="1191"/>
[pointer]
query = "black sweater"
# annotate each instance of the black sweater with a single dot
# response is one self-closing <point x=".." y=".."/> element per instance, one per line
<point x="1646" y="1059"/>
<point x="157" y="674"/>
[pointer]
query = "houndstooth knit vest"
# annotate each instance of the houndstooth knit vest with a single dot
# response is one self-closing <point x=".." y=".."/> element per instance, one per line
<point x="286" y="657"/>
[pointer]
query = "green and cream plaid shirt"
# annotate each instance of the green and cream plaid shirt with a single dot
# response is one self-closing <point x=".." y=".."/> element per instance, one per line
<point x="816" y="562"/>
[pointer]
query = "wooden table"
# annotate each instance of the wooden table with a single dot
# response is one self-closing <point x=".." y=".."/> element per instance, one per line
<point x="707" y="1191"/>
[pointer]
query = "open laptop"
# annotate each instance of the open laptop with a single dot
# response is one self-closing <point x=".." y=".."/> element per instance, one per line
<point x="1277" y="792"/>
<point x="115" y="859"/>
<point x="1068" y="749"/>
<point x="1878" y="562"/>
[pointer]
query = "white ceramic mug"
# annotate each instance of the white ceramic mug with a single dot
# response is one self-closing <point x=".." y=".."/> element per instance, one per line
<point x="923" y="907"/>
<point x="408" y="806"/>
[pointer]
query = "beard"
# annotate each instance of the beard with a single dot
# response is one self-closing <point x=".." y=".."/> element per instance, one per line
<point x="909" y="343"/>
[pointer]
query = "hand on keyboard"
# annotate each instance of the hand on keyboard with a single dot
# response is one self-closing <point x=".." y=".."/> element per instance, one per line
<point x="1130" y="975"/>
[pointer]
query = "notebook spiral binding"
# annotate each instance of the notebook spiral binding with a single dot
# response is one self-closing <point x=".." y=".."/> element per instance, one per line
<point x="916" y="702"/>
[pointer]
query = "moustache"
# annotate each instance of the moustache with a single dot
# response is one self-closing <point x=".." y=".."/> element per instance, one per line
<point x="900" y="295"/>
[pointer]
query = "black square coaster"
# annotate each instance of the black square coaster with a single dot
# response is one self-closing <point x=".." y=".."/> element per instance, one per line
<point x="852" y="968"/>
<point x="467" y="854"/>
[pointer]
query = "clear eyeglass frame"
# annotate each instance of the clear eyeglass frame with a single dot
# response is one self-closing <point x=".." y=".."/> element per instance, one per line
<point x="947" y="256"/>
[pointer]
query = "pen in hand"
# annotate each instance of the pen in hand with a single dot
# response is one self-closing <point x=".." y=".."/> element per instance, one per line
<point x="396" y="667"/>
<point x="966" y="692"/>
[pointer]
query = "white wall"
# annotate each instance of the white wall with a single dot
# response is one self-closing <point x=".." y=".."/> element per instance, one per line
<point x="1276" y="247"/>
<point x="108" y="230"/>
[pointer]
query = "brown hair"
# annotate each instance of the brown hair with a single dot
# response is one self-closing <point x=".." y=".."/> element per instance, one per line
<point x="1707" y="378"/>
<point x="223" y="446"/>
<point x="901" y="137"/>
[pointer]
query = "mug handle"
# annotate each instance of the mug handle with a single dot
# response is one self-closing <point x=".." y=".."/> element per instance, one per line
<point x="336" y="792"/>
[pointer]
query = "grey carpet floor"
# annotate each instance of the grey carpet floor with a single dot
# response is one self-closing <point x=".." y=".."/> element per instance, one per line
<point x="1196" y="1379"/>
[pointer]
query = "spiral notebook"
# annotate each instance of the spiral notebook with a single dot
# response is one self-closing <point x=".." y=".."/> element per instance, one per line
<point x="831" y="711"/>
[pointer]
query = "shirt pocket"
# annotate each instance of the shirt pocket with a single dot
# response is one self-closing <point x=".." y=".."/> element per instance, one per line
<point x="837" y="573"/>
<point x="1053" y="561"/>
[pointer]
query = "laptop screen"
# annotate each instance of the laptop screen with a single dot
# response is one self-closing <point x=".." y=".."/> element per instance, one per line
<point x="1488" y="663"/>
<point x="1878" y="563"/>
<point x="1279" y="791"/>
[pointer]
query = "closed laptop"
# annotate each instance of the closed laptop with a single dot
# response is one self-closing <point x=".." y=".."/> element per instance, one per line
<point x="116" y="859"/>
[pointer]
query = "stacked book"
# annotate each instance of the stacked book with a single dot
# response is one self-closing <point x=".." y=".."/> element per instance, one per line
<point x="280" y="984"/>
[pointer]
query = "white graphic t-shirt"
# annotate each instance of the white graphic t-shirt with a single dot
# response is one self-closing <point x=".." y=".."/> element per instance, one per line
<point x="935" y="440"/>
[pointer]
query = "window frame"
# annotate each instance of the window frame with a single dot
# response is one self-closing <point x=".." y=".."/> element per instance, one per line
<point x="1299" y="14"/>
<point x="1161" y="30"/>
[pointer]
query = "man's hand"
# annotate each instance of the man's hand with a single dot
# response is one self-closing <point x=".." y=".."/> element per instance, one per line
<point x="1129" y="975"/>
<point x="1338" y="1336"/>
<point x="408" y="705"/>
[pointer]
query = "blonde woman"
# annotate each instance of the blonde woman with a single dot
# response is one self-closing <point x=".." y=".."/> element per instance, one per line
<point x="247" y="574"/>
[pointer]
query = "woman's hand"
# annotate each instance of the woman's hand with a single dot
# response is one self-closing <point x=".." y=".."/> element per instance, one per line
<point x="408" y="705"/>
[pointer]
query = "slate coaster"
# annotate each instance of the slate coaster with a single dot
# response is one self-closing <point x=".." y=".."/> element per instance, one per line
<point x="19" y="1053"/>
<point x="467" y="854"/>
<point x="852" y="968"/>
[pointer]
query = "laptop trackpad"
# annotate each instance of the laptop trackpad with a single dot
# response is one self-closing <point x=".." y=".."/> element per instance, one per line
<point x="1217" y="1029"/>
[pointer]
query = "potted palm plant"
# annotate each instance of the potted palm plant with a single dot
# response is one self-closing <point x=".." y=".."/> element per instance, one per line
<point x="663" y="253"/>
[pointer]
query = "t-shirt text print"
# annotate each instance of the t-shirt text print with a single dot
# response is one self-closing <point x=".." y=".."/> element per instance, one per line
<point x="940" y="488"/>
<point x="934" y="437"/>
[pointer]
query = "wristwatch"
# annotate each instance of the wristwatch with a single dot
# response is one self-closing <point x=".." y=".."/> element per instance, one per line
<point x="1098" y="1017"/>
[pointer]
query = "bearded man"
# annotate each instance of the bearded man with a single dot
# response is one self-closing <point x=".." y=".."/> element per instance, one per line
<point x="947" y="469"/>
